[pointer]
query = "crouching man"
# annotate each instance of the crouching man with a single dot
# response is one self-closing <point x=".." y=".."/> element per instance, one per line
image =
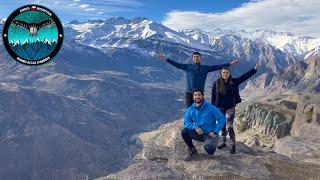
<point x="202" y="122"/>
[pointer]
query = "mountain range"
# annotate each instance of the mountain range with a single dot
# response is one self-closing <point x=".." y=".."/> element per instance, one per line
<point x="79" y="114"/>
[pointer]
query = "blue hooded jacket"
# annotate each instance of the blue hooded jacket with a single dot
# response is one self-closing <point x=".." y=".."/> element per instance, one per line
<point x="207" y="117"/>
<point x="196" y="73"/>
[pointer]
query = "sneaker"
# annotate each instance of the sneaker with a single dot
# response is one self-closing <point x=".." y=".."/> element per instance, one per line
<point x="233" y="149"/>
<point x="222" y="145"/>
<point x="191" y="152"/>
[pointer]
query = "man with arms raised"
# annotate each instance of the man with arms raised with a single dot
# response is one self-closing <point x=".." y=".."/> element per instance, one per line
<point x="196" y="73"/>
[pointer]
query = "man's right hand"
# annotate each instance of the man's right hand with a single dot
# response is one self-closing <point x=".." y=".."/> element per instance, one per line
<point x="234" y="62"/>
<point x="162" y="57"/>
<point x="199" y="131"/>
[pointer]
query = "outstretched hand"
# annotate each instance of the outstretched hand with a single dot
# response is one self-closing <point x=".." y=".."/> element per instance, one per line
<point x="234" y="62"/>
<point x="257" y="66"/>
<point x="162" y="57"/>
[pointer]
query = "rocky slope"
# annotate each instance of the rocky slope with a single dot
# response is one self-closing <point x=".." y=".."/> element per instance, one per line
<point x="163" y="152"/>
<point x="287" y="123"/>
<point x="99" y="100"/>
<point x="300" y="77"/>
<point x="43" y="136"/>
<point x="304" y="142"/>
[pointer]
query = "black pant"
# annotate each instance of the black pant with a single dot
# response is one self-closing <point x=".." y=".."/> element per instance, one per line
<point x="189" y="99"/>
<point x="210" y="143"/>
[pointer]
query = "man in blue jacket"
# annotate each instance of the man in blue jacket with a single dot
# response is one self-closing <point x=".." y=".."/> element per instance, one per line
<point x="196" y="73"/>
<point x="202" y="122"/>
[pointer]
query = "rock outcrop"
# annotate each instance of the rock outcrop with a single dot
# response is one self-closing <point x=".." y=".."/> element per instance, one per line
<point x="304" y="142"/>
<point x="307" y="121"/>
<point x="164" y="150"/>
<point x="267" y="121"/>
<point x="262" y="124"/>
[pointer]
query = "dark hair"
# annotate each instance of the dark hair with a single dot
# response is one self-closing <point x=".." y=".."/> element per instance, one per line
<point x="196" y="53"/>
<point x="220" y="83"/>
<point x="196" y="90"/>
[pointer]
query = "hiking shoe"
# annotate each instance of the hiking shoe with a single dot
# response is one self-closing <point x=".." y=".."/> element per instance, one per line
<point x="233" y="149"/>
<point x="191" y="152"/>
<point x="222" y="145"/>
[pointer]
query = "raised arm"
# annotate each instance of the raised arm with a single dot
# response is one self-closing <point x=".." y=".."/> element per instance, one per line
<point x="246" y="76"/>
<point x="175" y="64"/>
<point x="218" y="67"/>
<point x="187" y="121"/>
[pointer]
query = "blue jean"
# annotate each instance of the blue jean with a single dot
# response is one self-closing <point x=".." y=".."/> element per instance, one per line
<point x="210" y="143"/>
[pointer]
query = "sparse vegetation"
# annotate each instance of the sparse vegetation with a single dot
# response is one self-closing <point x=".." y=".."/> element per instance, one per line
<point x="242" y="127"/>
<point x="309" y="116"/>
<point x="306" y="97"/>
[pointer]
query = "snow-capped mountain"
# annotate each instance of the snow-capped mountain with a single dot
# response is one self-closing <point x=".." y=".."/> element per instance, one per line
<point x="121" y="32"/>
<point x="144" y="36"/>
<point x="312" y="54"/>
<point x="285" y="41"/>
<point x="273" y="50"/>
<point x="288" y="42"/>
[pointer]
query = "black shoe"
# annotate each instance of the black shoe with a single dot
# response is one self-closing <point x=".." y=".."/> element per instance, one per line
<point x="222" y="145"/>
<point x="233" y="149"/>
<point x="191" y="152"/>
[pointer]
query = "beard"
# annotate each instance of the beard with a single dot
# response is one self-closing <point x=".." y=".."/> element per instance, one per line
<point x="198" y="100"/>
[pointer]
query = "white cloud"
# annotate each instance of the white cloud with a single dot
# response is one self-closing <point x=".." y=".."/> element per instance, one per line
<point x="76" y="0"/>
<point x="90" y="9"/>
<point x="84" y="6"/>
<point x="298" y="16"/>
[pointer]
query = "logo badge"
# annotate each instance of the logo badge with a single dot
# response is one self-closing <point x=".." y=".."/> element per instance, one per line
<point x="33" y="34"/>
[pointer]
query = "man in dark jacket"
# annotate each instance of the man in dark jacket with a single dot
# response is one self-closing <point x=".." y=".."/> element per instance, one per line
<point x="196" y="73"/>
<point x="202" y="122"/>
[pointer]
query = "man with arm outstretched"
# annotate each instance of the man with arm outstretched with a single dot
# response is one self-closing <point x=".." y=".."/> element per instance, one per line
<point x="196" y="73"/>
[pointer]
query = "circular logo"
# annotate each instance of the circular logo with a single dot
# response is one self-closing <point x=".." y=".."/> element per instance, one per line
<point x="33" y="34"/>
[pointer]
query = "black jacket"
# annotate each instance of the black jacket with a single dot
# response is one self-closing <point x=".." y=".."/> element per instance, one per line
<point x="232" y="96"/>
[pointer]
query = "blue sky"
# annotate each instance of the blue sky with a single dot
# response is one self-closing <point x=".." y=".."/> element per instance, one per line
<point x="301" y="17"/>
<point x="156" y="10"/>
